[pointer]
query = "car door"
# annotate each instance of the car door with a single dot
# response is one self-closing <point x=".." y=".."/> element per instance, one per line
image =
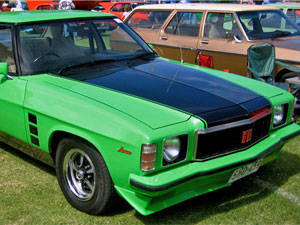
<point x="179" y="38"/>
<point x="223" y="42"/>
<point x="147" y="23"/>
<point x="12" y="90"/>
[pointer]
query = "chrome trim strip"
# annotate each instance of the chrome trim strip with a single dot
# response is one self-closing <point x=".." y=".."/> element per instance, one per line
<point x="27" y="149"/>
<point x="233" y="124"/>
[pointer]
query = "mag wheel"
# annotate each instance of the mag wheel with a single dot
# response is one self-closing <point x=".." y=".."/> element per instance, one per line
<point x="83" y="176"/>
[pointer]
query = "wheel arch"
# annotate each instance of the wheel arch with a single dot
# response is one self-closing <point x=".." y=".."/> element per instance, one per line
<point x="58" y="135"/>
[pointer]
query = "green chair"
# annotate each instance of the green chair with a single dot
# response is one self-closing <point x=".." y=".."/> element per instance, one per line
<point x="261" y="64"/>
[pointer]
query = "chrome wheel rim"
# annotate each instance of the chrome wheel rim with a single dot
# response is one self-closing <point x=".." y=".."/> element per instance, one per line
<point x="80" y="174"/>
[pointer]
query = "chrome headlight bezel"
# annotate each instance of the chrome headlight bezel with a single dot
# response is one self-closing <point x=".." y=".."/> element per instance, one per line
<point x="280" y="115"/>
<point x="174" y="149"/>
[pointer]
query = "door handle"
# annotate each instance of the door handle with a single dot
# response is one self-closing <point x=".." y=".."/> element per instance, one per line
<point x="205" y="42"/>
<point x="164" y="37"/>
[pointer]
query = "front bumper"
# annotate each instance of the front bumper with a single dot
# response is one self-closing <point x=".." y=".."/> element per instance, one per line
<point x="149" y="194"/>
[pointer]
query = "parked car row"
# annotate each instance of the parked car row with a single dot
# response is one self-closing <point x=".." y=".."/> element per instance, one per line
<point x="217" y="35"/>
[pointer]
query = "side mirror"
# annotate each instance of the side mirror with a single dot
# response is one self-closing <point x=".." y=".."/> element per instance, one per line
<point x="231" y="36"/>
<point x="4" y="68"/>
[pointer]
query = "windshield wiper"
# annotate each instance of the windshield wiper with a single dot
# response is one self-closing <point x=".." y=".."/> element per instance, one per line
<point x="85" y="64"/>
<point x="280" y="34"/>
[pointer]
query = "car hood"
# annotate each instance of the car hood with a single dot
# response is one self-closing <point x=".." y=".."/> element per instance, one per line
<point x="174" y="86"/>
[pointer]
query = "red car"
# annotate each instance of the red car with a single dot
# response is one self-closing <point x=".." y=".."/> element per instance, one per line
<point x="53" y="4"/>
<point x="117" y="8"/>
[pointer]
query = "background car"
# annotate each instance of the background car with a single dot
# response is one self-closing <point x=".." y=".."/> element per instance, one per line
<point x="217" y="33"/>
<point x="117" y="8"/>
<point x="292" y="10"/>
<point x="49" y="4"/>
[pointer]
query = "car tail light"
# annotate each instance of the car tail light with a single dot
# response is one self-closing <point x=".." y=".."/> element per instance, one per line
<point x="148" y="157"/>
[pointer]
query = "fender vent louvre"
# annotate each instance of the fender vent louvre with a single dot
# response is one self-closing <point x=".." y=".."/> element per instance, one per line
<point x="32" y="118"/>
<point x="35" y="141"/>
<point x="33" y="130"/>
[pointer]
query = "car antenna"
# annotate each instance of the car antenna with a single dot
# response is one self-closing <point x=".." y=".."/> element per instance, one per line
<point x="180" y="49"/>
<point x="178" y="28"/>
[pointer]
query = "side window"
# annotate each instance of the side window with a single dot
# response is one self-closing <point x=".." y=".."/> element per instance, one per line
<point x="118" y="8"/>
<point x="185" y="24"/>
<point x="294" y="14"/>
<point x="217" y="25"/>
<point x="6" y="50"/>
<point x="148" y="19"/>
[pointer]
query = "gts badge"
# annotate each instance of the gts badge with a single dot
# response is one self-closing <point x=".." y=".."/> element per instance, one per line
<point x="247" y="136"/>
<point x="124" y="151"/>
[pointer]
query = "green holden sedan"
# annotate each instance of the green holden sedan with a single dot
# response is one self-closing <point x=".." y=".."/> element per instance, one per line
<point x="84" y="93"/>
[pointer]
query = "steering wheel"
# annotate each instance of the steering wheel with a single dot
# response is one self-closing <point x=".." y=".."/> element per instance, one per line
<point x="47" y="54"/>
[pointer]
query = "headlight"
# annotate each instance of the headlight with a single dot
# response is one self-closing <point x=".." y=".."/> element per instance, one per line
<point x="280" y="114"/>
<point x="175" y="149"/>
<point x="171" y="149"/>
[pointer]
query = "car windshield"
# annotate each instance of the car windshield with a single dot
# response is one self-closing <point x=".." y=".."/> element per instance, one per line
<point x="54" y="47"/>
<point x="268" y="24"/>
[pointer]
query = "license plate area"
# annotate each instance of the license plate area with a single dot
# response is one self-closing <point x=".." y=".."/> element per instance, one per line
<point x="245" y="171"/>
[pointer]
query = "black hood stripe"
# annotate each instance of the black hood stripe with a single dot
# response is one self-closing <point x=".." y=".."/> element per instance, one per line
<point x="181" y="87"/>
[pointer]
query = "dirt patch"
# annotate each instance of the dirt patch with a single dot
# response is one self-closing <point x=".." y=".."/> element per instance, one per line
<point x="13" y="184"/>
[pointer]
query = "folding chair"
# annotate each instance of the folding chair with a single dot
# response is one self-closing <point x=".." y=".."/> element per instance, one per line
<point x="261" y="64"/>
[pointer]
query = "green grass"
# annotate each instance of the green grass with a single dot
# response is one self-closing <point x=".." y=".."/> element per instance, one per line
<point x="29" y="194"/>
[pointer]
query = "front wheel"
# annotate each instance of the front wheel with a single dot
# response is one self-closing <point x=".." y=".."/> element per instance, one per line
<point x="83" y="176"/>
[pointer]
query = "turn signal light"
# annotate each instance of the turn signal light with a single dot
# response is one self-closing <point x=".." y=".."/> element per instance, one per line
<point x="148" y="157"/>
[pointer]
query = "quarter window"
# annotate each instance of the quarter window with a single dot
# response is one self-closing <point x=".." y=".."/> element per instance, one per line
<point x="6" y="49"/>
<point x="185" y="24"/>
<point x="217" y="25"/>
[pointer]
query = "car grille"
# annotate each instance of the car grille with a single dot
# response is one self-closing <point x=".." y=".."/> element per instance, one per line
<point x="231" y="139"/>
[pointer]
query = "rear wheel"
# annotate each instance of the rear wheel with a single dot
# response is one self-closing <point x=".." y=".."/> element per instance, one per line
<point x="83" y="176"/>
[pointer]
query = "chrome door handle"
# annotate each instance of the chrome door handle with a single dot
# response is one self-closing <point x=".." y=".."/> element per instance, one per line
<point x="205" y="42"/>
<point x="164" y="37"/>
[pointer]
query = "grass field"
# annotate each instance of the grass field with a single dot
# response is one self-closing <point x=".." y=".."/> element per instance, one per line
<point x="29" y="194"/>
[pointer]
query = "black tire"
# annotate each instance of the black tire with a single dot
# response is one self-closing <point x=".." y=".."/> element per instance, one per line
<point x="287" y="75"/>
<point x="83" y="176"/>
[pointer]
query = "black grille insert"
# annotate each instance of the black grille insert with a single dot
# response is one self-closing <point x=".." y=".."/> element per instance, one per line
<point x="232" y="139"/>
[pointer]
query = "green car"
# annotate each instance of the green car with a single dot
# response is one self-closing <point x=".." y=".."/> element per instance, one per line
<point x="84" y="93"/>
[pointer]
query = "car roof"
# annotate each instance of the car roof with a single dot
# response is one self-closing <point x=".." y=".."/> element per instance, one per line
<point x="46" y="15"/>
<point x="206" y="6"/>
<point x="287" y="5"/>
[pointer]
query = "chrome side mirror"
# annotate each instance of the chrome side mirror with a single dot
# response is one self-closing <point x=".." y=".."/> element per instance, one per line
<point x="231" y="36"/>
